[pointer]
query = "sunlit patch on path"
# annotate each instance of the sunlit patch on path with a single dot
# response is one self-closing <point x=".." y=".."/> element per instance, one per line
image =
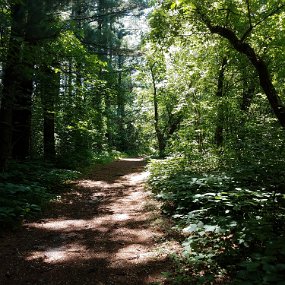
<point x="102" y="227"/>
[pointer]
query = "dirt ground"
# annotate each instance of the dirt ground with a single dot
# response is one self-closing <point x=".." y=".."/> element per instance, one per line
<point x="105" y="231"/>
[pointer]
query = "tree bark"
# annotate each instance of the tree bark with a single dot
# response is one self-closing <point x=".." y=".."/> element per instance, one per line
<point x="21" y="118"/>
<point x="259" y="65"/>
<point x="11" y="82"/>
<point x="50" y="85"/>
<point x="121" y="114"/>
<point x="174" y="123"/>
<point x="247" y="94"/>
<point x="219" y="133"/>
<point x="159" y="134"/>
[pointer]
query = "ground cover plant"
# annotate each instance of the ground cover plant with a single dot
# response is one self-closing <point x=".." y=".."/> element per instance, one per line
<point x="233" y="222"/>
<point x="27" y="188"/>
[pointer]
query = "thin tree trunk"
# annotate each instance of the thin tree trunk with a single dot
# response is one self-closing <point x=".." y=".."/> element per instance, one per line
<point x="49" y="93"/>
<point x="158" y="131"/>
<point x="247" y="94"/>
<point x="219" y="133"/>
<point x="121" y="108"/>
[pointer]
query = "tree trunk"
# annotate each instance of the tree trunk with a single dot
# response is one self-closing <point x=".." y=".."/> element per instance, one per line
<point x="259" y="65"/>
<point x="49" y="92"/>
<point x="247" y="94"/>
<point x="11" y="82"/>
<point x="159" y="134"/>
<point x="219" y="133"/>
<point x="21" y="118"/>
<point x="123" y="143"/>
<point x="22" y="109"/>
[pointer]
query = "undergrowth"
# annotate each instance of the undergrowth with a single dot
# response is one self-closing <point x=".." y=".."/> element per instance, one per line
<point x="26" y="189"/>
<point x="81" y="161"/>
<point x="233" y="221"/>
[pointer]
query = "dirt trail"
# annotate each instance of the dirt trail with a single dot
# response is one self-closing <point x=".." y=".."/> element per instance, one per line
<point x="102" y="232"/>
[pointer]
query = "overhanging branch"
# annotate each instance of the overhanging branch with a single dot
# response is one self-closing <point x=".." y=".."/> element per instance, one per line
<point x="258" y="63"/>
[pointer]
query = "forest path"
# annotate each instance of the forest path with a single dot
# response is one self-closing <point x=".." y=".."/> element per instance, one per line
<point x="103" y="232"/>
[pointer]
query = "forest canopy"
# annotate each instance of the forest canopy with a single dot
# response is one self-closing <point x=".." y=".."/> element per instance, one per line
<point x="195" y="86"/>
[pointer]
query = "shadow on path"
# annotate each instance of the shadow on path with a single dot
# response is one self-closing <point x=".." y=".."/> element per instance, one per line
<point x="99" y="233"/>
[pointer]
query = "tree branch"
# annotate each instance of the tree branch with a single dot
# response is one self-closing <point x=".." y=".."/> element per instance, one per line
<point x="258" y="63"/>
<point x="113" y="13"/>
<point x="252" y="26"/>
<point x="248" y="13"/>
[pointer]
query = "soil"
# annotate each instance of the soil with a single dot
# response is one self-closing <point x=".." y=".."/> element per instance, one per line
<point x="106" y="230"/>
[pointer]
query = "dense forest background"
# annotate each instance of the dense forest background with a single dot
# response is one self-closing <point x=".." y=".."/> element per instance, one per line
<point x="66" y="79"/>
<point x="201" y="87"/>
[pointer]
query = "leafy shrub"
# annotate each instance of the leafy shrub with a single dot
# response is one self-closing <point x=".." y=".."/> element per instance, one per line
<point x="19" y="201"/>
<point x="27" y="188"/>
<point x="233" y="222"/>
<point x="81" y="160"/>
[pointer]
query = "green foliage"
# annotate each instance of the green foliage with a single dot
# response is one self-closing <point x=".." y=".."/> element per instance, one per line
<point x="228" y="197"/>
<point x="27" y="188"/>
<point x="18" y="201"/>
<point x="233" y="221"/>
<point x="82" y="159"/>
<point x="106" y="157"/>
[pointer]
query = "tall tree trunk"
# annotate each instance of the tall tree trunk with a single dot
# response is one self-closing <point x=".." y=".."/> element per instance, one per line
<point x="99" y="121"/>
<point x="99" y="93"/>
<point x="219" y="133"/>
<point x="22" y="109"/>
<point x="21" y="118"/>
<point x="247" y="93"/>
<point x="11" y="82"/>
<point x="159" y="134"/>
<point x="121" y="108"/>
<point x="49" y="92"/>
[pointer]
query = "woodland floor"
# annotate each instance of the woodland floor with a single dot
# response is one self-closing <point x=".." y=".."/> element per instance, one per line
<point x="105" y="231"/>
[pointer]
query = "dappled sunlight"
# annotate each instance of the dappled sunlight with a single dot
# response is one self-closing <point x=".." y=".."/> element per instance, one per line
<point x="92" y="183"/>
<point x="60" y="225"/>
<point x="66" y="253"/>
<point x="97" y="184"/>
<point x="101" y="224"/>
<point x="131" y="178"/>
<point x="134" y="253"/>
<point x="120" y="221"/>
<point x="59" y="254"/>
<point x="120" y="217"/>
<point x="138" y="235"/>
<point x="134" y="178"/>
<point x="54" y="254"/>
<point x="133" y="159"/>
